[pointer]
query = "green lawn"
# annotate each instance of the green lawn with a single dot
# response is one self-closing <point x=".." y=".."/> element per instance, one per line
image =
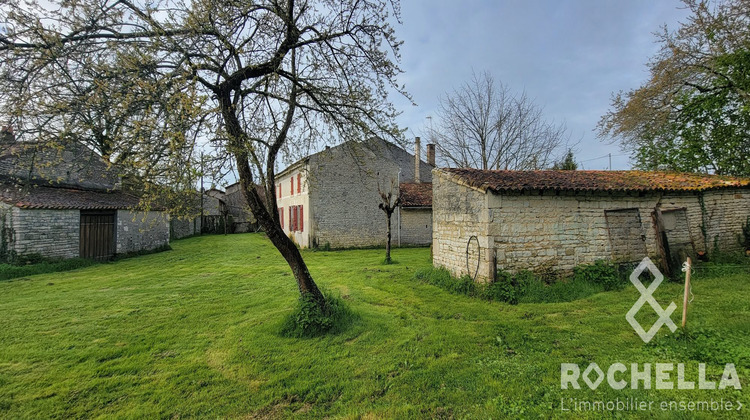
<point x="194" y="332"/>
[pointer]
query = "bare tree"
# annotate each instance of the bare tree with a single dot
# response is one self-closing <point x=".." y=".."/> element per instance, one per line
<point x="484" y="125"/>
<point x="388" y="205"/>
<point x="261" y="77"/>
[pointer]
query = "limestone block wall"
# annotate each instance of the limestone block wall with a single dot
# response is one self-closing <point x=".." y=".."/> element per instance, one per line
<point x="458" y="213"/>
<point x="344" y="198"/>
<point x="416" y="226"/>
<point x="138" y="231"/>
<point x="564" y="229"/>
<point x="51" y="233"/>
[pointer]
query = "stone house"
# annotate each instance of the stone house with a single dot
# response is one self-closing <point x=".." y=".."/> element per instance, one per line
<point x="67" y="202"/>
<point x="241" y="219"/>
<point x="514" y="220"/>
<point x="331" y="198"/>
<point x="207" y="214"/>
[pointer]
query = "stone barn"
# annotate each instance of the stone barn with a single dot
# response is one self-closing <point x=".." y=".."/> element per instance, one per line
<point x="65" y="201"/>
<point x="514" y="220"/>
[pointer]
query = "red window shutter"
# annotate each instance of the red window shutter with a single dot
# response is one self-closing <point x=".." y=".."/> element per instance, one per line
<point x="290" y="219"/>
<point x="291" y="191"/>
<point x="301" y="219"/>
<point x="299" y="183"/>
<point x="281" y="216"/>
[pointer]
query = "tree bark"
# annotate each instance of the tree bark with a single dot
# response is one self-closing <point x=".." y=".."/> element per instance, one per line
<point x="388" y="242"/>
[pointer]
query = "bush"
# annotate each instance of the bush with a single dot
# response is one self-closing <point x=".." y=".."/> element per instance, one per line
<point x="308" y="319"/>
<point x="601" y="272"/>
<point x="528" y="287"/>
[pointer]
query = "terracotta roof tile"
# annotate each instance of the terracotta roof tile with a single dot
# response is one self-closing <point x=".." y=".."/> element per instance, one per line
<point x="416" y="195"/>
<point x="593" y="180"/>
<point x="38" y="197"/>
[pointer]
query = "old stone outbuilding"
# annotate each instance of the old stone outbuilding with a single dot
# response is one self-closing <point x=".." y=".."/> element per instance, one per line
<point x="515" y="220"/>
<point x="65" y="201"/>
<point x="331" y="198"/>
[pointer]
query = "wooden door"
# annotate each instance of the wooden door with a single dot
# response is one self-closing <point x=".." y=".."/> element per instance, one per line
<point x="97" y="235"/>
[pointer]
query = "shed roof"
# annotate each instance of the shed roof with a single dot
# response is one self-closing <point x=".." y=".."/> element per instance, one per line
<point x="416" y="195"/>
<point x="498" y="181"/>
<point x="41" y="197"/>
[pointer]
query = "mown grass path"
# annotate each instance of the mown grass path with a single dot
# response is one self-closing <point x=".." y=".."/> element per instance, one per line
<point x="194" y="332"/>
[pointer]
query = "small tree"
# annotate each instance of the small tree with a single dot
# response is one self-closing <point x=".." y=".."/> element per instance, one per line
<point x="568" y="163"/>
<point x="388" y="205"/>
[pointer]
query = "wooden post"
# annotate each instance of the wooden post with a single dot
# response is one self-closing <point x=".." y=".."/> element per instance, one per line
<point x="687" y="292"/>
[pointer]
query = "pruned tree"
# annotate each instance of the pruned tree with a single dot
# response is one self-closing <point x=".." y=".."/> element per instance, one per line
<point x="693" y="113"/>
<point x="257" y="78"/>
<point x="390" y="202"/>
<point x="484" y="125"/>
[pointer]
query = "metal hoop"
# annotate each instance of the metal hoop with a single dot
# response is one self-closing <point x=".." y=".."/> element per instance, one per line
<point x="479" y="254"/>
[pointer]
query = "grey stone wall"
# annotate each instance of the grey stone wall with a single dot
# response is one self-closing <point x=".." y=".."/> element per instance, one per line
<point x="458" y="213"/>
<point x="71" y="164"/>
<point x="343" y="192"/>
<point x="138" y="231"/>
<point x="184" y="227"/>
<point x="242" y="218"/>
<point x="51" y="233"/>
<point x="563" y="230"/>
<point x="416" y="226"/>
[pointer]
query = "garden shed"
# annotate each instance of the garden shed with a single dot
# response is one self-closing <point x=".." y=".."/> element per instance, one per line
<point x="485" y="220"/>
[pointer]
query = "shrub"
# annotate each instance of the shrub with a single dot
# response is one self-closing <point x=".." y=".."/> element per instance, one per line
<point x="308" y="319"/>
<point x="600" y="272"/>
<point x="746" y="232"/>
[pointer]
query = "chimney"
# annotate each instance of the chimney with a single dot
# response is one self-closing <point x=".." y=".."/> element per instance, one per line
<point x="417" y="146"/>
<point x="431" y="154"/>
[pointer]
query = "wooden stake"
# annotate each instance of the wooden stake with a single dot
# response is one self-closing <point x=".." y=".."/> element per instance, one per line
<point x="687" y="292"/>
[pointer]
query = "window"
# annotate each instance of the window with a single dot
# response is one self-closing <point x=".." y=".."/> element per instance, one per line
<point x="301" y="218"/>
<point x="299" y="183"/>
<point x="291" y="191"/>
<point x="296" y="219"/>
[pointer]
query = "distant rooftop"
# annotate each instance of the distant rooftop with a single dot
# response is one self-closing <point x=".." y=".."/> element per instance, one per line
<point x="416" y="195"/>
<point x="593" y="180"/>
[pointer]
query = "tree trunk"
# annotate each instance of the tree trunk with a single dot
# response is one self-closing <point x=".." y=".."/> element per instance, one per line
<point x="388" y="241"/>
<point x="286" y="247"/>
<point x="276" y="235"/>
<point x="269" y="223"/>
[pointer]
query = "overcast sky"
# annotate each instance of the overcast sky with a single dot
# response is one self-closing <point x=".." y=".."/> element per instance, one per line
<point x="568" y="55"/>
